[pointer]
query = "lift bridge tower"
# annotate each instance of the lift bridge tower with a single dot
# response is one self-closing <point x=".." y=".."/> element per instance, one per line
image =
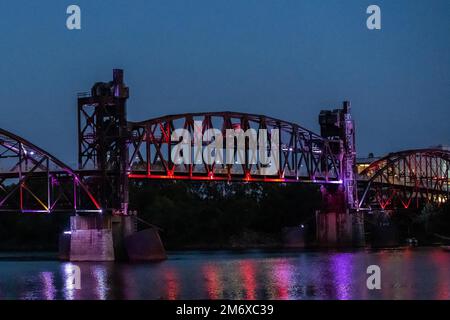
<point x="102" y="142"/>
<point x="339" y="221"/>
<point x="103" y="139"/>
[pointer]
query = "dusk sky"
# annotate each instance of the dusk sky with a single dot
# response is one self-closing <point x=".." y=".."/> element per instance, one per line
<point x="285" y="59"/>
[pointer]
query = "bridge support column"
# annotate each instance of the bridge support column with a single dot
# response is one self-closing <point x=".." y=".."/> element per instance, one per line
<point x="90" y="239"/>
<point x="338" y="226"/>
<point x="122" y="227"/>
<point x="109" y="238"/>
<point x="333" y="221"/>
<point x="134" y="245"/>
<point x="334" y="229"/>
<point x="339" y="223"/>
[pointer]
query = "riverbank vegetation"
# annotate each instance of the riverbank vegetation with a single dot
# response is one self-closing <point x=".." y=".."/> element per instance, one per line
<point x="222" y="215"/>
<point x="212" y="215"/>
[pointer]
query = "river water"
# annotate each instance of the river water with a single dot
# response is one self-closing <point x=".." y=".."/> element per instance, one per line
<point x="420" y="273"/>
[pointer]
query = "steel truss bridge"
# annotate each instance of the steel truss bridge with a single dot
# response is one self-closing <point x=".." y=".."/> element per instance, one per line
<point x="32" y="180"/>
<point x="303" y="155"/>
<point x="406" y="179"/>
<point x="113" y="150"/>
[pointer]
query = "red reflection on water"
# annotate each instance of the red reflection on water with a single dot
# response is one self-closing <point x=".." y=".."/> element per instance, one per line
<point x="441" y="260"/>
<point x="248" y="276"/>
<point x="213" y="283"/>
<point x="173" y="286"/>
<point x="383" y="260"/>
<point x="398" y="281"/>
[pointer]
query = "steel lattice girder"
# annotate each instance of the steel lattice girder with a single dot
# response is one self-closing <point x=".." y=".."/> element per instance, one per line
<point x="304" y="155"/>
<point x="407" y="178"/>
<point x="32" y="180"/>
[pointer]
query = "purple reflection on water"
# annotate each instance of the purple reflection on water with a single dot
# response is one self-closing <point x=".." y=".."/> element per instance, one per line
<point x="342" y="271"/>
<point x="420" y="273"/>
<point x="68" y="281"/>
<point x="48" y="285"/>
<point x="101" y="284"/>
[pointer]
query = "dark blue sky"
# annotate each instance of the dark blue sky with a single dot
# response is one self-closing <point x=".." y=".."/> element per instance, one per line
<point x="286" y="59"/>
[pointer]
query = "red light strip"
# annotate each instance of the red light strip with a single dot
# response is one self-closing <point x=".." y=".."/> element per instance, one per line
<point x="224" y="178"/>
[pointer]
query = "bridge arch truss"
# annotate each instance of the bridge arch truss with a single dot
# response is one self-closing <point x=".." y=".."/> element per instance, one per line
<point x="407" y="179"/>
<point x="34" y="181"/>
<point x="303" y="155"/>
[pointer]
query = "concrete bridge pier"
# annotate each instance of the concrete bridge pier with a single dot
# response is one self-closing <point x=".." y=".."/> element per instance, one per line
<point x="340" y="229"/>
<point x="109" y="238"/>
<point x="90" y="238"/>
<point x="334" y="229"/>
<point x="333" y="221"/>
<point x="336" y="225"/>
